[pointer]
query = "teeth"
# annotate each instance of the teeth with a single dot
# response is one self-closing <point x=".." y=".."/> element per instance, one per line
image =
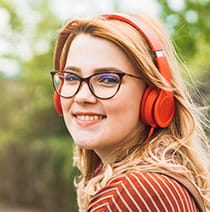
<point x="89" y="117"/>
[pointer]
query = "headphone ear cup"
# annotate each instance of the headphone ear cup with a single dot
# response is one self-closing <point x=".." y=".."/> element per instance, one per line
<point x="164" y="108"/>
<point x="157" y="109"/>
<point x="57" y="101"/>
<point x="57" y="104"/>
<point x="147" y="106"/>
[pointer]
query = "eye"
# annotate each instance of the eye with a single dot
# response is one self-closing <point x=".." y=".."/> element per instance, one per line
<point x="107" y="79"/>
<point x="70" y="77"/>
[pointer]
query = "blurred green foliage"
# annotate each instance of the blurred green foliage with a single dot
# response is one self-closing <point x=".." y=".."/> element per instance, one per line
<point x="35" y="149"/>
<point x="38" y="174"/>
<point x="189" y="25"/>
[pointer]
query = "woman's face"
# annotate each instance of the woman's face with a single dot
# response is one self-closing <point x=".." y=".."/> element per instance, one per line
<point x="97" y="124"/>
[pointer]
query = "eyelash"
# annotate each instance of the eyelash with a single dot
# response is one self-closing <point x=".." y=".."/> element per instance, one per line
<point x="108" y="79"/>
<point x="70" y="77"/>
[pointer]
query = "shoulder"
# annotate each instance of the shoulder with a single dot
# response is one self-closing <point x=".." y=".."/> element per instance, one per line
<point x="142" y="191"/>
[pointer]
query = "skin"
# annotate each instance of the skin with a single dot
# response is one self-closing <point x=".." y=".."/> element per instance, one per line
<point x="115" y="119"/>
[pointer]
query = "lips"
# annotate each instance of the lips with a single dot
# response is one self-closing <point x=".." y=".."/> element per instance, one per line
<point x="87" y="119"/>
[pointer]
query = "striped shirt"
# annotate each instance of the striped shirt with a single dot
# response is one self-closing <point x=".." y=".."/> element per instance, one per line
<point x="142" y="191"/>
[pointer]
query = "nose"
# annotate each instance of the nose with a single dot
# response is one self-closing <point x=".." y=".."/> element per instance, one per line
<point x="84" y="95"/>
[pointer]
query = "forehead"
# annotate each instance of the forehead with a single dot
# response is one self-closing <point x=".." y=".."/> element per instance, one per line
<point x="88" y="53"/>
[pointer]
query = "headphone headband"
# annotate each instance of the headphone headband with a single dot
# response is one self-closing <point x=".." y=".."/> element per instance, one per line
<point x="141" y="27"/>
<point x="151" y="39"/>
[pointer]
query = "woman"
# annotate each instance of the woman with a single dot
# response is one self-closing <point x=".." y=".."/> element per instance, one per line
<point x="119" y="89"/>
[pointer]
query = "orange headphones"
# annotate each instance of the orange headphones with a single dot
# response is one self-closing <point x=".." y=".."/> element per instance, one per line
<point x="157" y="107"/>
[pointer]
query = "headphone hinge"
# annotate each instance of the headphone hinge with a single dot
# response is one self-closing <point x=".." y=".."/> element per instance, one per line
<point x="159" y="53"/>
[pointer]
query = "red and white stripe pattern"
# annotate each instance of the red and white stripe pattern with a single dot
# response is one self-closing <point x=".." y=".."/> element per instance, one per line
<point x="142" y="191"/>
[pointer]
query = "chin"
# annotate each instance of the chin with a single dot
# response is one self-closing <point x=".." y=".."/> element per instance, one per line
<point x="85" y="139"/>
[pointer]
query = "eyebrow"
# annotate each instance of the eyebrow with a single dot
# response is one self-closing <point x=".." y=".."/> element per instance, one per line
<point x="72" y="68"/>
<point x="97" y="70"/>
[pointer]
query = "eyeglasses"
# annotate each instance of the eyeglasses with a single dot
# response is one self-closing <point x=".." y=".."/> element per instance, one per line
<point x="103" y="85"/>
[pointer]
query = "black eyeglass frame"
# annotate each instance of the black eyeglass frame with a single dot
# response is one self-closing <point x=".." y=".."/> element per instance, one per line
<point x="87" y="80"/>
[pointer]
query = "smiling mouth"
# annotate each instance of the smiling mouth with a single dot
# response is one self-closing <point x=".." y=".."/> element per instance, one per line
<point x="89" y="117"/>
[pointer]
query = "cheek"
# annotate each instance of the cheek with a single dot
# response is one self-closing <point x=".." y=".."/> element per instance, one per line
<point x="123" y="113"/>
<point x="66" y="105"/>
<point x="124" y="108"/>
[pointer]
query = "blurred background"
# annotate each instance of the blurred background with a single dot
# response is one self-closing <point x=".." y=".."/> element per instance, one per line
<point x="36" y="168"/>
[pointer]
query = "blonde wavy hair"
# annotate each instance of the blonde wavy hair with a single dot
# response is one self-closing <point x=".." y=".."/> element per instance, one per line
<point x="181" y="147"/>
